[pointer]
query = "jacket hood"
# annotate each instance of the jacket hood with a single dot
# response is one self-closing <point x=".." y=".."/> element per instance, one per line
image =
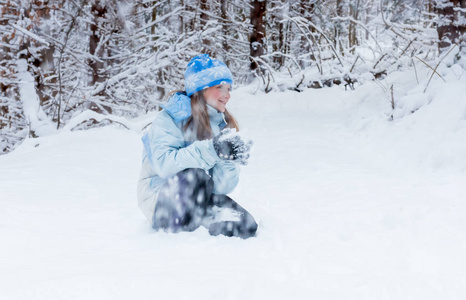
<point x="178" y="106"/>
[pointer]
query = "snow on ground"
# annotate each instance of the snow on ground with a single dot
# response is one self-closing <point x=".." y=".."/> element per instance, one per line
<point x="351" y="205"/>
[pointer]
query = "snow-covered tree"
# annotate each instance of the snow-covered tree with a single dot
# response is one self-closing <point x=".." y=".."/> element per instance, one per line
<point x="451" y="22"/>
<point x="60" y="58"/>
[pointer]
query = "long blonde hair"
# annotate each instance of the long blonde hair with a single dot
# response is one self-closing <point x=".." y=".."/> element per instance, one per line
<point x="199" y="122"/>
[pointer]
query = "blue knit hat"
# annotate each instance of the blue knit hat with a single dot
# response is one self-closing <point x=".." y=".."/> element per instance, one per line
<point x="203" y="72"/>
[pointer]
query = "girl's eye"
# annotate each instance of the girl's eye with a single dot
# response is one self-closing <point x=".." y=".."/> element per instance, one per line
<point x="224" y="88"/>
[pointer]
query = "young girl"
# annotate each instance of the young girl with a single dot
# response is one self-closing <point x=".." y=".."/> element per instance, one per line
<point x="191" y="156"/>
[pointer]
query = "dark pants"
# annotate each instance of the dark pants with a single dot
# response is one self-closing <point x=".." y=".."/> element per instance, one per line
<point x="186" y="202"/>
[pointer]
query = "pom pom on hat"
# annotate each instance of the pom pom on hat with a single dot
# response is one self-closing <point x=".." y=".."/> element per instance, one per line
<point x="203" y="72"/>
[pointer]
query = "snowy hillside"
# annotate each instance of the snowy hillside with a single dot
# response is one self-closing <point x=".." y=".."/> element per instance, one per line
<point x="350" y="204"/>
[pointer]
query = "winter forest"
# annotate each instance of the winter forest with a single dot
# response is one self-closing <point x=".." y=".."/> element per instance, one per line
<point x="122" y="58"/>
<point x="356" y="110"/>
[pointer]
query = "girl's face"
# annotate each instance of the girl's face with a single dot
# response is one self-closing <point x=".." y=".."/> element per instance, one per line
<point x="217" y="96"/>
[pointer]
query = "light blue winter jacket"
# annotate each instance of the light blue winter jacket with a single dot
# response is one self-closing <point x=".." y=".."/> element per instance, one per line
<point x="167" y="151"/>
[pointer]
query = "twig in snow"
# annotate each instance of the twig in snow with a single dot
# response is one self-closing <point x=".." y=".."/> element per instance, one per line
<point x="435" y="71"/>
<point x="392" y="101"/>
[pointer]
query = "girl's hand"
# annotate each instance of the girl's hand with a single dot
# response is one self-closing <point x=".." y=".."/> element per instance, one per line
<point x="229" y="146"/>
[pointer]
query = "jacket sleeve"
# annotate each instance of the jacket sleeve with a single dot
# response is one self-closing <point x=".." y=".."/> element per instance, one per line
<point x="164" y="144"/>
<point x="225" y="175"/>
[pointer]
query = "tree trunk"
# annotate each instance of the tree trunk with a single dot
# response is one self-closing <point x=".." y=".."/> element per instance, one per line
<point x="451" y="27"/>
<point x="181" y="18"/>
<point x="206" y="43"/>
<point x="225" y="30"/>
<point x="153" y="17"/>
<point x="306" y="10"/>
<point x="276" y="33"/>
<point x="45" y="63"/>
<point x="98" y="11"/>
<point x="256" y="41"/>
<point x="338" y="26"/>
<point x="354" y="13"/>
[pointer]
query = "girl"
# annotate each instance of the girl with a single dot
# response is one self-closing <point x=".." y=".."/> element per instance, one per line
<point x="191" y="156"/>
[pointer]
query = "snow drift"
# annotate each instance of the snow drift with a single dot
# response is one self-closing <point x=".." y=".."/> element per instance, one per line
<point x="351" y="204"/>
